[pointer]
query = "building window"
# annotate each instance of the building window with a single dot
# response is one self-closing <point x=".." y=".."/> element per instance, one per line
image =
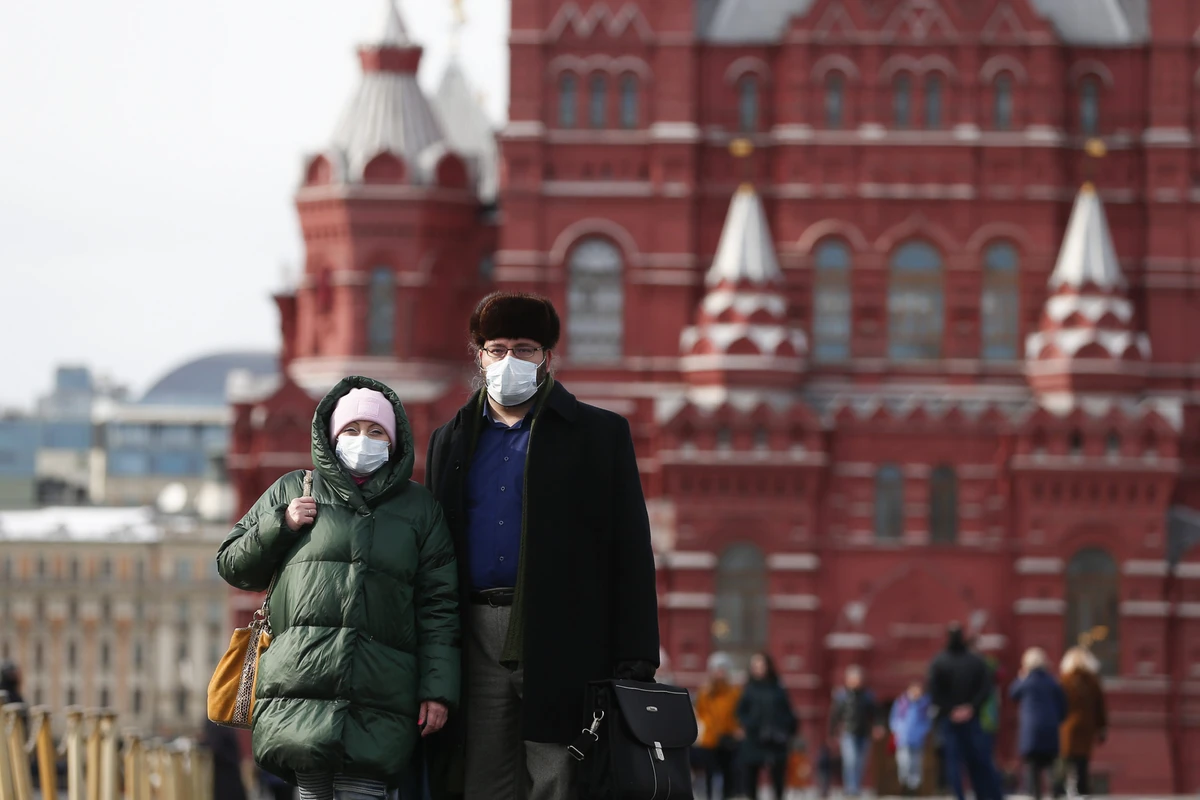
<point x="138" y="655"/>
<point x="39" y="656"/>
<point x="835" y="100"/>
<point x="73" y="569"/>
<point x="831" y="302"/>
<point x="595" y="302"/>
<point x="41" y="567"/>
<point x="381" y="313"/>
<point x="740" y="611"/>
<point x="216" y="612"/>
<point x="1000" y="302"/>
<point x="184" y="612"/>
<point x="1093" y="604"/>
<point x="71" y="655"/>
<point x="183" y="569"/>
<point x="915" y="303"/>
<point x="137" y="701"/>
<point x="629" y="101"/>
<point x="106" y="570"/>
<point x="598" y="102"/>
<point x="748" y="104"/>
<point x="933" y="101"/>
<point x="181" y="701"/>
<point x="104" y="657"/>
<point x="889" y="503"/>
<point x="943" y="505"/>
<point x="71" y="696"/>
<point x="1002" y="98"/>
<point x="104" y="698"/>
<point x="1089" y="106"/>
<point x="901" y="102"/>
<point x="139" y="570"/>
<point x="567" y="99"/>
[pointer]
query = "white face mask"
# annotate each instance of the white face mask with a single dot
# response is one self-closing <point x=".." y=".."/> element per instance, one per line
<point x="511" y="381"/>
<point x="362" y="455"/>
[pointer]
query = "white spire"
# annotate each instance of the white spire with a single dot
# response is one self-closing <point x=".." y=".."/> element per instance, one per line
<point x="1087" y="255"/>
<point x="391" y="33"/>
<point x="468" y="130"/>
<point x="747" y="250"/>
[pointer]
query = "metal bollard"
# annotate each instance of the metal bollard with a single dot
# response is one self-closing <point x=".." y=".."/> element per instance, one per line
<point x="74" y="744"/>
<point x="47" y="757"/>
<point x="204" y="768"/>
<point x="135" y="768"/>
<point x="110" y="771"/>
<point x="92" y="765"/>
<point x="18" y="756"/>
<point x="156" y="783"/>
<point x="6" y="773"/>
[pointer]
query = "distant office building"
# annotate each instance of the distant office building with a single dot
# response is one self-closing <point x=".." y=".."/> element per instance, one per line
<point x="113" y="607"/>
<point x="18" y="461"/>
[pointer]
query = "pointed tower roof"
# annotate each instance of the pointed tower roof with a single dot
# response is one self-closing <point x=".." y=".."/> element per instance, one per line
<point x="742" y="335"/>
<point x="1087" y="257"/>
<point x="1087" y="341"/>
<point x="389" y="113"/>
<point x="746" y="252"/>
<point x="467" y="127"/>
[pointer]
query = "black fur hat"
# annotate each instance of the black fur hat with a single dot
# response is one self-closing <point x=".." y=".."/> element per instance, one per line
<point x="515" y="315"/>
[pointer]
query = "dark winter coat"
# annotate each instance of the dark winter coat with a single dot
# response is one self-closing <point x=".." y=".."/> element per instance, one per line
<point x="1042" y="707"/>
<point x="364" y="613"/>
<point x="588" y="569"/>
<point x="853" y="712"/>
<point x="765" y="714"/>
<point x="958" y="677"/>
<point x="1086" y="714"/>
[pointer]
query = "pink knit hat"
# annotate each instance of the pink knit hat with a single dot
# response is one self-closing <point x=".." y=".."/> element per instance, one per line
<point x="366" y="404"/>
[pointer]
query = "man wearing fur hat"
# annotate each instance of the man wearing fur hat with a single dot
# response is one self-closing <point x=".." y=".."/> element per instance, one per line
<point x="544" y="502"/>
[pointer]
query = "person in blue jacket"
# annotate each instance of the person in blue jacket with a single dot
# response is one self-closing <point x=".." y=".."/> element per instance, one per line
<point x="1042" y="706"/>
<point x="910" y="723"/>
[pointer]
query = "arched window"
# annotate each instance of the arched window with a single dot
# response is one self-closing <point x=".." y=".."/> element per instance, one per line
<point x="1089" y="106"/>
<point x="835" y="100"/>
<point x="598" y="102"/>
<point x="595" y="301"/>
<point x="1002" y="103"/>
<point x="381" y="313"/>
<point x="568" y="91"/>
<point x="629" y="101"/>
<point x="1000" y="302"/>
<point x="933" y="101"/>
<point x="1093" y="606"/>
<point x="748" y="104"/>
<point x="915" y="303"/>
<point x="889" y="503"/>
<point x="831" y="301"/>
<point x="943" y="505"/>
<point x="902" y="102"/>
<point x="740" y="613"/>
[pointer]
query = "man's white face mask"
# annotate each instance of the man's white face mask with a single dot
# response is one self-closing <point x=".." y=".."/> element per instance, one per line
<point x="511" y="381"/>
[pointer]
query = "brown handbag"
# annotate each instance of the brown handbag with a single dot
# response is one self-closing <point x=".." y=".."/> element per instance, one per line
<point x="231" y="690"/>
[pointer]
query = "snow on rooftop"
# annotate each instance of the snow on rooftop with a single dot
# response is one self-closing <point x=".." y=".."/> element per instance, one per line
<point x="72" y="524"/>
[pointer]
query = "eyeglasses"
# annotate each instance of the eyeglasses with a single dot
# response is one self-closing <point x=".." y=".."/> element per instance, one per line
<point x="500" y="351"/>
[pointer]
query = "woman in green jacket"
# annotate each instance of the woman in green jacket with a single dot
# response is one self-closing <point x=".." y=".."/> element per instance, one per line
<point x="364" y="657"/>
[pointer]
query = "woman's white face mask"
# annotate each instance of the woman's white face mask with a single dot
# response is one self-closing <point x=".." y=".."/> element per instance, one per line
<point x="511" y="381"/>
<point x="361" y="454"/>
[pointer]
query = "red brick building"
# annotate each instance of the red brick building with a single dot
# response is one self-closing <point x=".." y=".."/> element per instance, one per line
<point x="888" y="367"/>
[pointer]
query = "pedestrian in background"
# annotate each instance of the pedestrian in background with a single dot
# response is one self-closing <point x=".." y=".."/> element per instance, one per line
<point x="959" y="686"/>
<point x="768" y="724"/>
<point x="364" y="655"/>
<point x="720" y="731"/>
<point x="1042" y="707"/>
<point x="851" y="723"/>
<point x="910" y="723"/>
<point x="226" y="761"/>
<point x="1086" y="724"/>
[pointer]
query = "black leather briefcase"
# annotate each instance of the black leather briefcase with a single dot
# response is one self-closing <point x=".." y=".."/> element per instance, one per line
<point x="636" y="743"/>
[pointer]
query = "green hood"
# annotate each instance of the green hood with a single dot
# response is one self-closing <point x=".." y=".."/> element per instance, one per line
<point x="391" y="478"/>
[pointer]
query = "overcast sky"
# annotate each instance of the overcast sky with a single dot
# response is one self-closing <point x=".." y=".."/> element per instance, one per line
<point x="151" y="150"/>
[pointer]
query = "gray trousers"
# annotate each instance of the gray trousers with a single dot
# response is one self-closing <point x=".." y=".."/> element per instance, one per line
<point x="500" y="766"/>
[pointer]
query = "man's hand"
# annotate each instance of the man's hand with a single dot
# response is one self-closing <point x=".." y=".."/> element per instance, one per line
<point x="634" y="671"/>
<point x="300" y="512"/>
<point x="433" y="717"/>
<point x="962" y="714"/>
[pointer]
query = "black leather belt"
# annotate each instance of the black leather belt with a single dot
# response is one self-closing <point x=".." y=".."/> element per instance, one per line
<point x="493" y="597"/>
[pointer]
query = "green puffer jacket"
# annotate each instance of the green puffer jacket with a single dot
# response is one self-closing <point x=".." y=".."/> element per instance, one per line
<point x="364" y="614"/>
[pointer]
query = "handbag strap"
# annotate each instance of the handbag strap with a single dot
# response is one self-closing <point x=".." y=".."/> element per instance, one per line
<point x="262" y="611"/>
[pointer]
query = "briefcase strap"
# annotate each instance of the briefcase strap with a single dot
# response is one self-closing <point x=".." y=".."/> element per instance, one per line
<point x="587" y="738"/>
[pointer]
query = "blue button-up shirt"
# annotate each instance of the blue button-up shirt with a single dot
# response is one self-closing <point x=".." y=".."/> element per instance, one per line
<point x="495" y="491"/>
